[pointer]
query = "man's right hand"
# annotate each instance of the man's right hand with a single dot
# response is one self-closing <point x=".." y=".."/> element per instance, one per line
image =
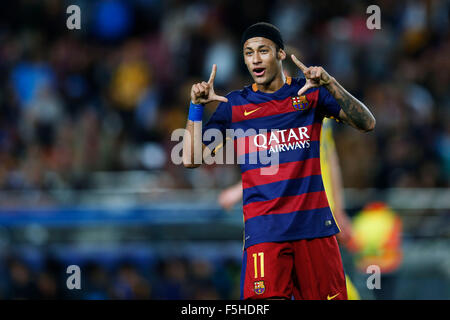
<point x="203" y="93"/>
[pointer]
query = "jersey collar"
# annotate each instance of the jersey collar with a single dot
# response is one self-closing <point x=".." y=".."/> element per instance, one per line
<point x="255" y="87"/>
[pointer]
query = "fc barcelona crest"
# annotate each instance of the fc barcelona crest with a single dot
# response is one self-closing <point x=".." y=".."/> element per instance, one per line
<point x="259" y="287"/>
<point x="300" y="103"/>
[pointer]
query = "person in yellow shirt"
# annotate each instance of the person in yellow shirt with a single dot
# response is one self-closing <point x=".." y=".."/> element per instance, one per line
<point x="332" y="180"/>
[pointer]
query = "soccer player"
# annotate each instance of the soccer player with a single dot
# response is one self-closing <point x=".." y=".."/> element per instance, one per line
<point x="290" y="248"/>
<point x="331" y="176"/>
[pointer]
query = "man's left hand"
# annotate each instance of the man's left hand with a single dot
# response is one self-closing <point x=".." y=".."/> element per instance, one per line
<point x="315" y="76"/>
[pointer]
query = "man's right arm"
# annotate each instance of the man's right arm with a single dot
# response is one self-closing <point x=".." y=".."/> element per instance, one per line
<point x="192" y="144"/>
<point x="193" y="147"/>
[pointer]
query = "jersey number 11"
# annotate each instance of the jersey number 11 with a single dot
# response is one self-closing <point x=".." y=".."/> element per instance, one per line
<point x="261" y="261"/>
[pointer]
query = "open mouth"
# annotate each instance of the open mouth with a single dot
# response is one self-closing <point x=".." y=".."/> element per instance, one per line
<point x="259" y="71"/>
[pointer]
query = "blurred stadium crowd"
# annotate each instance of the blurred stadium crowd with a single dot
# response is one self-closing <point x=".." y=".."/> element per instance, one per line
<point x="108" y="97"/>
<point x="169" y="278"/>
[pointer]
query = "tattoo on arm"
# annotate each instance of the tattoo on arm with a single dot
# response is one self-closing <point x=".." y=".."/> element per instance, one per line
<point x="358" y="115"/>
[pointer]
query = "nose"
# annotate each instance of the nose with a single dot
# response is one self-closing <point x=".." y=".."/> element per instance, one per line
<point x="256" y="59"/>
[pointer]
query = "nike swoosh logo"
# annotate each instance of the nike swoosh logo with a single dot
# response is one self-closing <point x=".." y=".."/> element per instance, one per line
<point x="250" y="112"/>
<point x="330" y="298"/>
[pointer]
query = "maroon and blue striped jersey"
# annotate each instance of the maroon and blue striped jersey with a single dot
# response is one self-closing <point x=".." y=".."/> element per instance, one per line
<point x="276" y="139"/>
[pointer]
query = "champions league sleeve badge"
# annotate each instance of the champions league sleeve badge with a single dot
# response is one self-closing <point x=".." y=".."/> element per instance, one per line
<point x="300" y="103"/>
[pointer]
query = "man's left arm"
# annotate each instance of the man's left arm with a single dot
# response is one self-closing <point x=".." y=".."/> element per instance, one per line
<point x="353" y="111"/>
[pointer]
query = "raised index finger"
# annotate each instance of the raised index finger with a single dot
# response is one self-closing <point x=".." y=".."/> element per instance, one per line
<point x="298" y="63"/>
<point x="213" y="74"/>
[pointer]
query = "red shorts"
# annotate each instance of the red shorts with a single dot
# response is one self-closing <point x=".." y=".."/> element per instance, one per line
<point x="304" y="269"/>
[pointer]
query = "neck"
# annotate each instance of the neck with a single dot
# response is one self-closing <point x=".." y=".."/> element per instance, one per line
<point x="273" y="85"/>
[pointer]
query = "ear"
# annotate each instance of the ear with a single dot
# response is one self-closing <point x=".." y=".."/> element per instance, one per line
<point x="281" y="54"/>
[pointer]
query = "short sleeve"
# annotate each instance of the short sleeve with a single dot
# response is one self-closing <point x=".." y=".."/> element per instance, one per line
<point x="215" y="129"/>
<point x="328" y="104"/>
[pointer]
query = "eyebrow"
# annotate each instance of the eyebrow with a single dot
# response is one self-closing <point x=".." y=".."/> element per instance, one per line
<point x="263" y="45"/>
